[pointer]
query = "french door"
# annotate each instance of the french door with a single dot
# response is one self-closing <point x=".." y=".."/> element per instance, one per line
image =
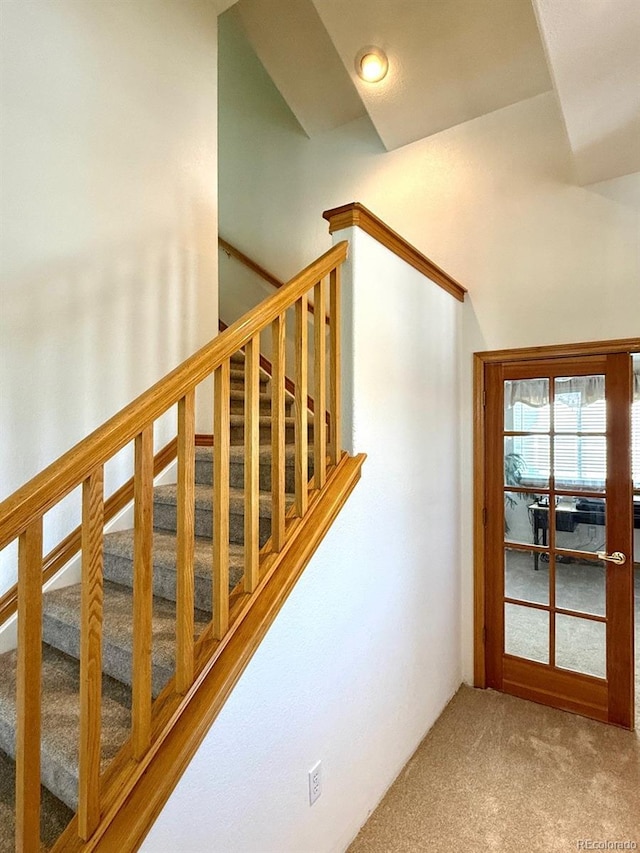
<point x="558" y="532"/>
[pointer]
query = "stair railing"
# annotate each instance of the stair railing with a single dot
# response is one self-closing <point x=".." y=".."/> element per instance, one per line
<point x="21" y="518"/>
<point x="232" y="252"/>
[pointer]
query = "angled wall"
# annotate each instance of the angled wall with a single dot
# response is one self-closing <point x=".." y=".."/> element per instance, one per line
<point x="365" y="653"/>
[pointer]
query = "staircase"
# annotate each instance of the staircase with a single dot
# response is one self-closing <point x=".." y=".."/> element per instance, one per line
<point x="62" y="616"/>
<point x="116" y="680"/>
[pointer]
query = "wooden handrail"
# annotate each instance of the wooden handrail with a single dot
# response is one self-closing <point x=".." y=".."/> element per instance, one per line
<point x="248" y="262"/>
<point x="71" y="544"/>
<point x="21" y="517"/>
<point x="37" y="496"/>
<point x="357" y="214"/>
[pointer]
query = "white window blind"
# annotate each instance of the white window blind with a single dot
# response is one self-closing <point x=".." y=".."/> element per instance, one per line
<point x="580" y="460"/>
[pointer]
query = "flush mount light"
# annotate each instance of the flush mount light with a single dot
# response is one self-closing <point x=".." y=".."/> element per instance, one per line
<point x="372" y="64"/>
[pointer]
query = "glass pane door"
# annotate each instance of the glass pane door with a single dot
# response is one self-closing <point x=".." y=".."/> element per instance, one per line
<point x="561" y="548"/>
<point x="555" y="459"/>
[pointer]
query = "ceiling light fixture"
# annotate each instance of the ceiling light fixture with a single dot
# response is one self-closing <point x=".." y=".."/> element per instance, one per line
<point x="372" y="64"/>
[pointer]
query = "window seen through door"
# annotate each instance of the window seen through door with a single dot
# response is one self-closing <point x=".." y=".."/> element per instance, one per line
<point x="582" y="462"/>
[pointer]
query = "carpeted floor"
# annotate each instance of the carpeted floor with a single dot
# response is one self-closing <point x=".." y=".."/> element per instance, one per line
<point x="500" y="774"/>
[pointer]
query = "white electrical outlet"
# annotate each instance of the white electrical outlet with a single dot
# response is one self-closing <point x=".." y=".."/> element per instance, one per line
<point x="315" y="782"/>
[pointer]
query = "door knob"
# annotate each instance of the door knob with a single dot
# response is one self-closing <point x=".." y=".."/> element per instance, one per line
<point x="617" y="557"/>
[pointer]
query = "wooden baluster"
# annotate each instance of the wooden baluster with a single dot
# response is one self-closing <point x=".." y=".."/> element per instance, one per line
<point x="142" y="593"/>
<point x="251" y="463"/>
<point x="320" y="386"/>
<point x="221" y="428"/>
<point x="28" y="690"/>
<point x="91" y="654"/>
<point x="301" y="406"/>
<point x="278" y="330"/>
<point x="185" y="542"/>
<point x="334" y="366"/>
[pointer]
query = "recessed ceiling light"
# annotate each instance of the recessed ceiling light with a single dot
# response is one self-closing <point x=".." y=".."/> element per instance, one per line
<point x="372" y="64"/>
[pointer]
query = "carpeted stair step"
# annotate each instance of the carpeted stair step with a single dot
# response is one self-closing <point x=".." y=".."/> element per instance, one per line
<point x="204" y="466"/>
<point x="60" y="719"/>
<point x="54" y="815"/>
<point x="118" y="565"/>
<point x="237" y="429"/>
<point x="62" y="611"/>
<point x="237" y="377"/>
<point x="61" y="629"/>
<point x="164" y="512"/>
<point x="236" y="400"/>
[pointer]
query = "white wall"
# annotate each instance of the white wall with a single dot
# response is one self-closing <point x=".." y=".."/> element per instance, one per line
<point x="365" y="653"/>
<point x="108" y="259"/>
<point x="492" y="201"/>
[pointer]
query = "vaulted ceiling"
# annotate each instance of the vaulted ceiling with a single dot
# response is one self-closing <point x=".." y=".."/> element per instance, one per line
<point x="453" y="60"/>
<point x="593" y="49"/>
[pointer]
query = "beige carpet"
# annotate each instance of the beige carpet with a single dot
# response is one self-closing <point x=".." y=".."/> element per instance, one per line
<point x="500" y="774"/>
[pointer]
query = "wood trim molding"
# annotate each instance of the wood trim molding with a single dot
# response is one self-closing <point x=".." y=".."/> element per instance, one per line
<point x="479" y="510"/>
<point x="71" y="544"/>
<point x="135" y="792"/>
<point x="248" y="262"/>
<point x="579" y="350"/>
<point x="357" y="214"/>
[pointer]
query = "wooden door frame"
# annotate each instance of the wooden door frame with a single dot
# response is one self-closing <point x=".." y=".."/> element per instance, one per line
<point x="480" y="362"/>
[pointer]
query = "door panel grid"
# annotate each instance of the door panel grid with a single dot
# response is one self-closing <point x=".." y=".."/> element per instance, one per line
<point x="558" y="495"/>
